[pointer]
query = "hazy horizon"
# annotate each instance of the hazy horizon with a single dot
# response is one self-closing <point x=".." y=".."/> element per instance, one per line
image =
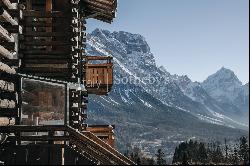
<point x="194" y="38"/>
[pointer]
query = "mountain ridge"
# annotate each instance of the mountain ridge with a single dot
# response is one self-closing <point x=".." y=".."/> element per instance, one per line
<point x="144" y="95"/>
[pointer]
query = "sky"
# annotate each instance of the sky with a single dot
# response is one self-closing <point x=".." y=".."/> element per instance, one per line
<point x="189" y="37"/>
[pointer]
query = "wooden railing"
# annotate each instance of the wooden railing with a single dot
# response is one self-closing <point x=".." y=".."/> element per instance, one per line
<point x="98" y="74"/>
<point x="105" y="153"/>
<point x="84" y="143"/>
<point x="108" y="147"/>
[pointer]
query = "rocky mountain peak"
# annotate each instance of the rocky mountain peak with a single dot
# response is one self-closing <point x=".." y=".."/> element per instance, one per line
<point x="223" y="86"/>
<point x="131" y="49"/>
<point x="132" y="42"/>
<point x="246" y="89"/>
<point x="225" y="75"/>
<point x="224" y="79"/>
<point x="182" y="81"/>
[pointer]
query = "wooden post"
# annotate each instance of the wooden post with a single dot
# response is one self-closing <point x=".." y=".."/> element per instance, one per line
<point x="19" y="93"/>
<point x="18" y="119"/>
<point x="28" y="29"/>
<point x="49" y="7"/>
<point x="66" y="105"/>
<point x="29" y="4"/>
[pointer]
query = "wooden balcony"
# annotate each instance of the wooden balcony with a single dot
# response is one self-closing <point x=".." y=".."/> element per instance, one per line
<point x="99" y="75"/>
<point x="104" y="132"/>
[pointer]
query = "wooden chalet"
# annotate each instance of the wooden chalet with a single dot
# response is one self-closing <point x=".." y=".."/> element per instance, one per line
<point x="44" y="41"/>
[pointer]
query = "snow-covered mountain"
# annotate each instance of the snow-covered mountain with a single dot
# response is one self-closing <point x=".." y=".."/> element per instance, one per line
<point x="224" y="85"/>
<point x="154" y="107"/>
<point x="227" y="89"/>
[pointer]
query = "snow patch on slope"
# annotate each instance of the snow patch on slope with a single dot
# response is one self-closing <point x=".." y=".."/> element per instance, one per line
<point x="146" y="103"/>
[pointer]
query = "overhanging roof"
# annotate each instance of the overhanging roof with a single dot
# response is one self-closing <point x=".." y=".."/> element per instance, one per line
<point x="103" y="10"/>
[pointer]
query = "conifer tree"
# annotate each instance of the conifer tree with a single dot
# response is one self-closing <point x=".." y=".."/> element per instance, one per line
<point x="202" y="153"/>
<point x="151" y="161"/>
<point x="244" y="150"/>
<point x="235" y="157"/>
<point x="185" y="159"/>
<point x="160" y="157"/>
<point x="226" y="151"/>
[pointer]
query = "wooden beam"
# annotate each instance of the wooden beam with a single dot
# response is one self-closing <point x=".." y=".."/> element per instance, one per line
<point x="4" y="53"/>
<point x="106" y="65"/>
<point x="51" y="34"/>
<point x="48" y="5"/>
<point x="6" y="17"/>
<point x="43" y="52"/>
<point x="8" y="95"/>
<point x="56" y="71"/>
<point x="98" y="58"/>
<point x="53" y="58"/>
<point x="4" y="34"/>
<point x="106" y="146"/>
<point x="44" y="138"/>
<point x="21" y="128"/>
<point x="13" y="28"/>
<point x="39" y="14"/>
<point x="27" y="23"/>
<point x="15" y="13"/>
<point x="7" y="103"/>
<point x="48" y="43"/>
<point x="46" y="61"/>
<point x="13" y="78"/>
<point x="48" y="20"/>
<point x="8" y="112"/>
<point x="11" y="46"/>
<point x="11" y="62"/>
<point x="8" y="4"/>
<point x="14" y="1"/>
<point x="6" y="86"/>
<point x="6" y="68"/>
<point x="83" y="139"/>
<point x="60" y="76"/>
<point x="95" y="153"/>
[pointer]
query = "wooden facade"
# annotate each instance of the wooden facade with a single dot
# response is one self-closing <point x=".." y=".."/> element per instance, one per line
<point x="50" y="44"/>
<point x="44" y="40"/>
<point x="9" y="81"/>
<point x="53" y="42"/>
<point x="77" y="109"/>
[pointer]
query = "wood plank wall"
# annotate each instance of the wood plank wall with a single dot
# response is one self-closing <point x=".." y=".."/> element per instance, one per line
<point x="49" y="45"/>
<point x="9" y="81"/>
